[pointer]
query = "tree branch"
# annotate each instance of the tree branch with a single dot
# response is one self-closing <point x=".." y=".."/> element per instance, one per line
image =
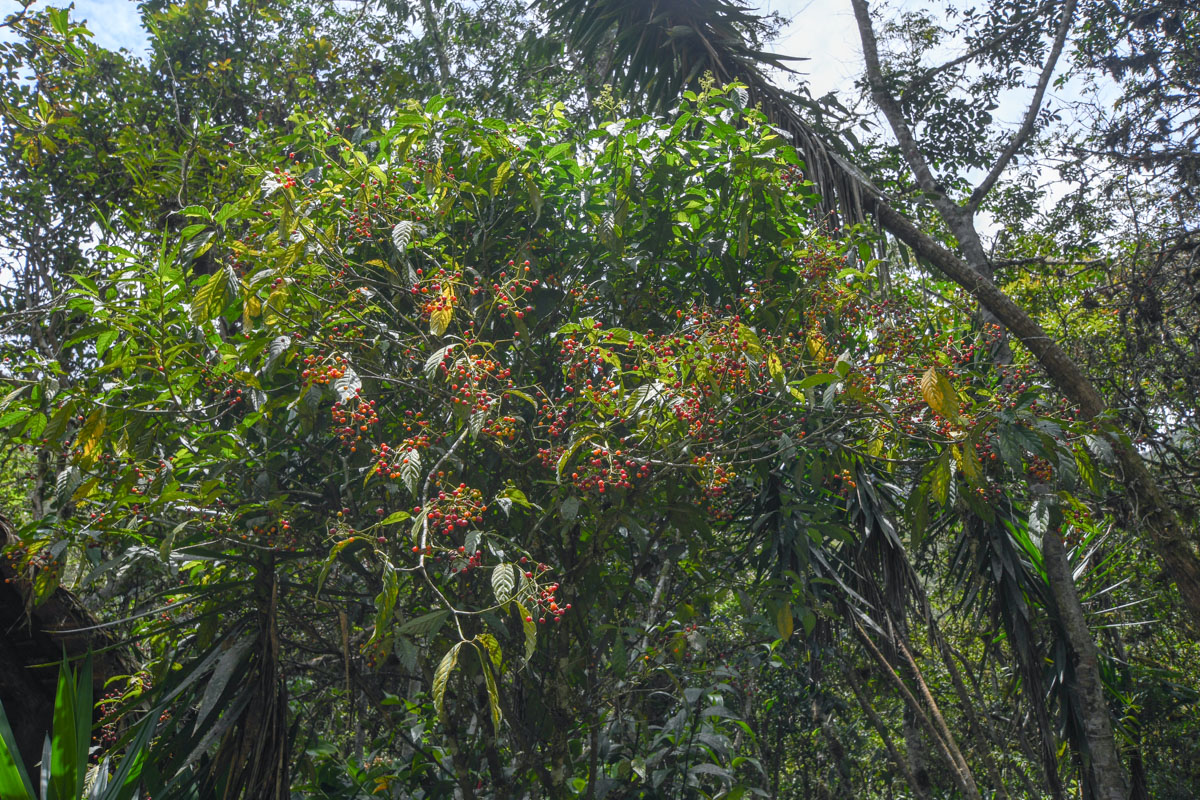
<point x="891" y="107"/>
<point x="929" y="74"/>
<point x="1021" y="135"/>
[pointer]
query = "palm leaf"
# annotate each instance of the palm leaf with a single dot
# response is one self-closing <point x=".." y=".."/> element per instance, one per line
<point x="659" y="48"/>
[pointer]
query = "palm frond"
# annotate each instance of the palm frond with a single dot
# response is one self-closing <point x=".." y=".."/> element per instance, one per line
<point x="659" y="48"/>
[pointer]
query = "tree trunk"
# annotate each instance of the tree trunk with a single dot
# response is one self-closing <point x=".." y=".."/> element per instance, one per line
<point x="1102" y="760"/>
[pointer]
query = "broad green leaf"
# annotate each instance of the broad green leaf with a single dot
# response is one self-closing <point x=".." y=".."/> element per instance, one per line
<point x="425" y="624"/>
<point x="504" y="582"/>
<point x="14" y="781"/>
<point x="385" y="605"/>
<point x="64" y="767"/>
<point x="234" y="657"/>
<point x="486" y="664"/>
<point x="441" y="677"/>
<point x="210" y="298"/>
<point x="395" y="517"/>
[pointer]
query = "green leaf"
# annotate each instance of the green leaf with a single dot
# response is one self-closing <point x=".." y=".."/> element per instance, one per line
<point x="565" y="458"/>
<point x="197" y="211"/>
<point x="425" y="624"/>
<point x="209" y="298"/>
<point x="83" y="721"/>
<point x="504" y="582"/>
<point x="64" y="747"/>
<point x="11" y="396"/>
<point x="385" y="605"/>
<point x="14" y="781"/>
<point x="489" y="680"/>
<point x="234" y="657"/>
<point x="395" y="517"/>
<point x="441" y="677"/>
<point x="529" y="624"/>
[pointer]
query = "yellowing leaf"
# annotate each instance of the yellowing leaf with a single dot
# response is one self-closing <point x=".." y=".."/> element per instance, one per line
<point x="968" y="460"/>
<point x="939" y="481"/>
<point x="816" y="346"/>
<point x="784" y="622"/>
<point x="88" y="440"/>
<point x="775" y="368"/>
<point x="940" y="395"/>
<point x="276" y="305"/>
<point x="502" y="173"/>
<point x="85" y="490"/>
<point x="439" y="320"/>
<point x="530" y="626"/>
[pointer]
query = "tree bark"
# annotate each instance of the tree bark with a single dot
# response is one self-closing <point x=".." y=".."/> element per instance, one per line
<point x="1102" y="760"/>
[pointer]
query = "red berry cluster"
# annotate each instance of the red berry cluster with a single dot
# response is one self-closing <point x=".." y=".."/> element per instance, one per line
<point x="607" y="469"/>
<point x="501" y="428"/>
<point x="791" y="175"/>
<point x="511" y="292"/>
<point x="278" y="535"/>
<point x="456" y="508"/>
<point x="1041" y="470"/>
<point x="319" y="371"/>
<point x="435" y="291"/>
<point x="471" y="374"/>
<point x="286" y="179"/>
<point x="353" y="418"/>
<point x="390" y="461"/>
<point x="545" y="600"/>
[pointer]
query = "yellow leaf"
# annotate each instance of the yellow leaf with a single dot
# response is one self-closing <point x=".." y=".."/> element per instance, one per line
<point x="88" y="440"/>
<point x="968" y="462"/>
<point x="816" y="346"/>
<point x="783" y="622"/>
<point x="439" y="320"/>
<point x="940" y="394"/>
<point x="939" y="481"/>
<point x="775" y="367"/>
<point x="85" y="490"/>
<point x="276" y="304"/>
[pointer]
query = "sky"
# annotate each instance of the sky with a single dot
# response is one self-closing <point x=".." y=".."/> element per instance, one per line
<point x="822" y="30"/>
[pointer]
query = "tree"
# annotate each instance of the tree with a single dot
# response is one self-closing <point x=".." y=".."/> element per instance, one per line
<point x="340" y="412"/>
